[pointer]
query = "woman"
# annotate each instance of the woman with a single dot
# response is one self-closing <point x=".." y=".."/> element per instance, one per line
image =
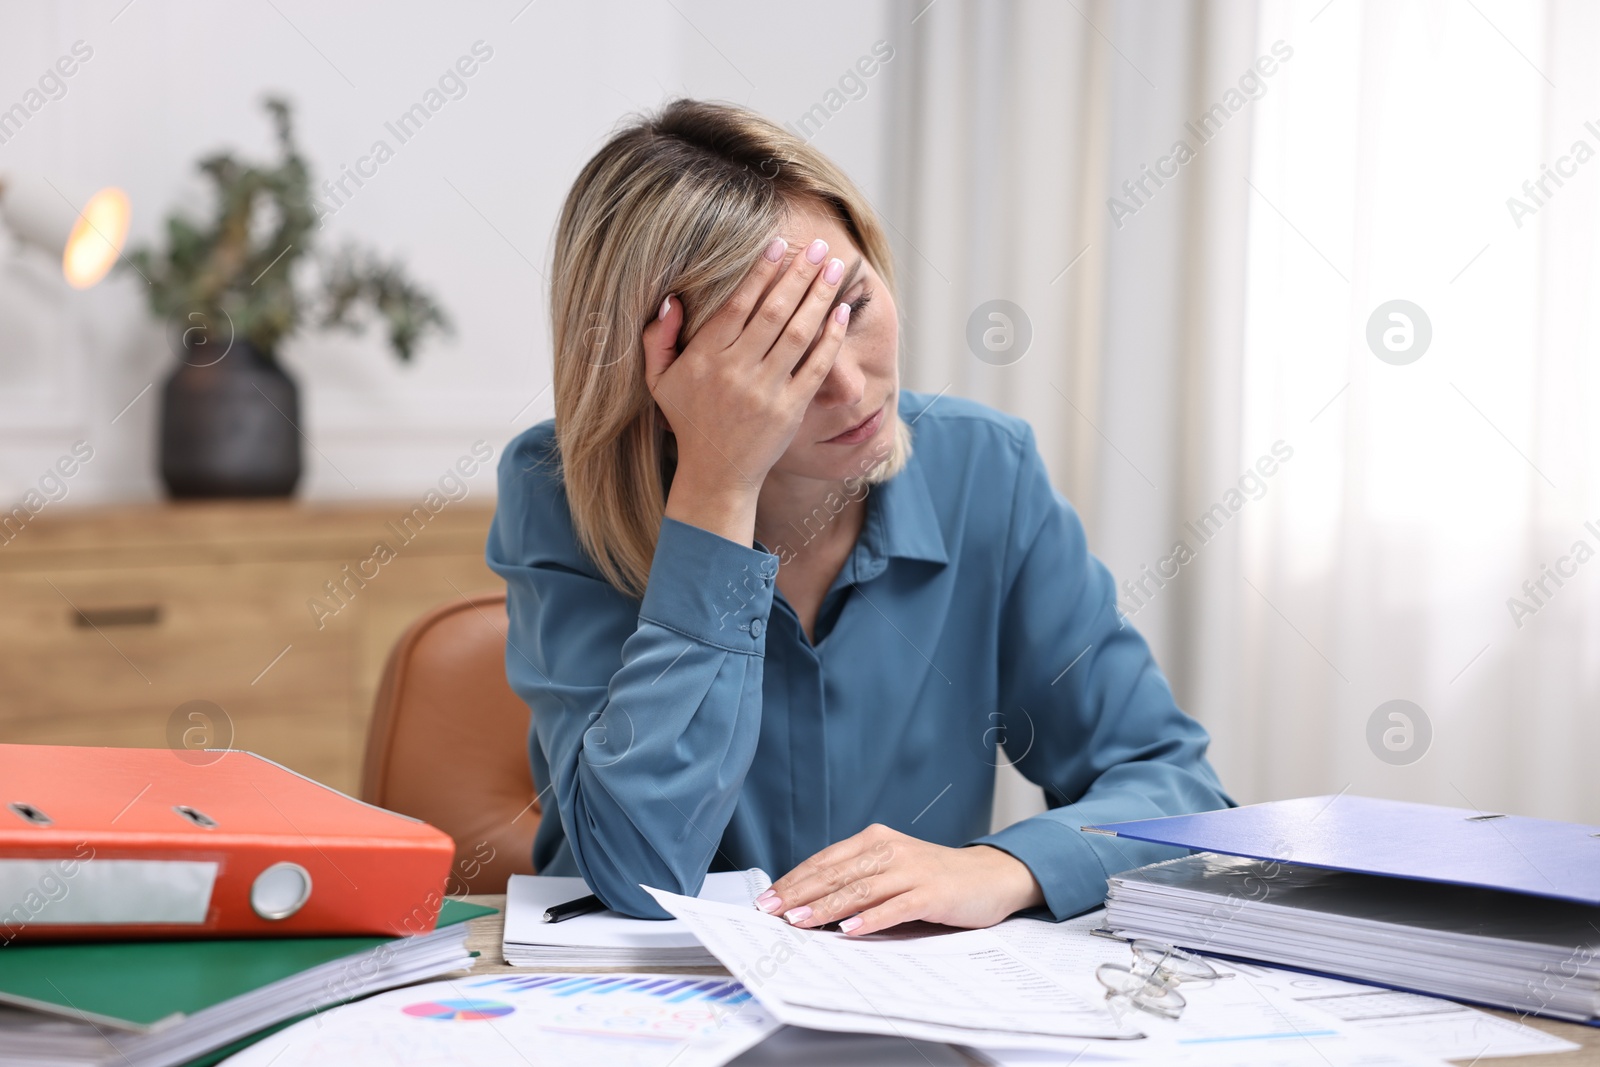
<point x="768" y="608"/>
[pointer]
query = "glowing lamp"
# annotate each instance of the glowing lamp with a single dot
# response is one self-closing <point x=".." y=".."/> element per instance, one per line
<point x="88" y="240"/>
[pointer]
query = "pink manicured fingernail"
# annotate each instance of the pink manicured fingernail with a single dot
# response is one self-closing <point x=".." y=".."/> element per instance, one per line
<point x="850" y="924"/>
<point x="770" y="905"/>
<point x="796" y="916"/>
<point x="816" y="250"/>
<point x="841" y="314"/>
<point x="666" y="306"/>
<point x="776" y="249"/>
<point x="833" y="271"/>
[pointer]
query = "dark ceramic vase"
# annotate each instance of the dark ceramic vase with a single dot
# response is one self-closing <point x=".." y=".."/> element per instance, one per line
<point x="229" y="428"/>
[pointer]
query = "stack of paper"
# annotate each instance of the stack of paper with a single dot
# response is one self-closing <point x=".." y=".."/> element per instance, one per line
<point x="604" y="938"/>
<point x="158" y="1003"/>
<point x="1510" y="950"/>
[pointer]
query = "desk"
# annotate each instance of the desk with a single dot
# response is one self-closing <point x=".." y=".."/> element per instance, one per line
<point x="484" y="936"/>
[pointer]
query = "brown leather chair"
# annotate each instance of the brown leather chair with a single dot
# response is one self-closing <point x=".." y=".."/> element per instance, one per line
<point x="448" y="742"/>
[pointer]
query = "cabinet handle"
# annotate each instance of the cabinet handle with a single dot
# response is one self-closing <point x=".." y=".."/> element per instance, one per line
<point x="136" y="615"/>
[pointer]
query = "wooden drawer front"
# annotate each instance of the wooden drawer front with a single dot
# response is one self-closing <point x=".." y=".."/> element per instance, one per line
<point x="162" y="637"/>
<point x="159" y="637"/>
<point x="216" y="628"/>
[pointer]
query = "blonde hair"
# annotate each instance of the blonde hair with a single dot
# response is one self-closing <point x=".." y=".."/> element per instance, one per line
<point x="679" y="202"/>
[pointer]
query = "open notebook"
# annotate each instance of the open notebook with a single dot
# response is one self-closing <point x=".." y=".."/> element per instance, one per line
<point x="606" y="939"/>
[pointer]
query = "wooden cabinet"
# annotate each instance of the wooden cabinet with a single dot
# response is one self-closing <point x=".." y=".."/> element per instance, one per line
<point x="189" y="624"/>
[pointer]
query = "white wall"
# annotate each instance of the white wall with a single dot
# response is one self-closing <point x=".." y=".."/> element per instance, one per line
<point x="469" y="203"/>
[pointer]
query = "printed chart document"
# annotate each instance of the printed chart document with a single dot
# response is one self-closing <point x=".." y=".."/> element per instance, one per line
<point x="1228" y="1023"/>
<point x="1427" y="1024"/>
<point x="518" y="1020"/>
<point x="1266" y="1015"/>
<point x="604" y="938"/>
<point x="967" y="987"/>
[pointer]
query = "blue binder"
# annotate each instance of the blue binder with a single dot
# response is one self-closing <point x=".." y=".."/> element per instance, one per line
<point x="1540" y="857"/>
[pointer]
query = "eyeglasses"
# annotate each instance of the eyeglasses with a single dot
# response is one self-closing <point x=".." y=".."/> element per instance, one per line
<point x="1150" y="984"/>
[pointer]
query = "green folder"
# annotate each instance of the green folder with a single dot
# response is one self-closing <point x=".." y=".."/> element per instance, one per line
<point x="134" y="984"/>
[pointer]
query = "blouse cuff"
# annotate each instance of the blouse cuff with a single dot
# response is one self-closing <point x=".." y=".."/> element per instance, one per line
<point x="709" y="588"/>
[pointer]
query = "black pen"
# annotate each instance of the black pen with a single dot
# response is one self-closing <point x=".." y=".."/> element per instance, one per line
<point x="573" y="908"/>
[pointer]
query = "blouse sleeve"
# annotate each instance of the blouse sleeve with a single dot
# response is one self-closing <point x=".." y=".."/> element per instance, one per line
<point x="1088" y="714"/>
<point x="647" y="712"/>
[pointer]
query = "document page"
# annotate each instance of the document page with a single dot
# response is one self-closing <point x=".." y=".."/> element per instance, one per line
<point x="966" y="987"/>
<point x="1298" y="1017"/>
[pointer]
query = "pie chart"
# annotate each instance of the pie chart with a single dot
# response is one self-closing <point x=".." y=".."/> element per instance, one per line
<point x="458" y="1010"/>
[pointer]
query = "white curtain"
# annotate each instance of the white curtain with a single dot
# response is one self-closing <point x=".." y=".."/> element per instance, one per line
<point x="1200" y="372"/>
<point x="1391" y="559"/>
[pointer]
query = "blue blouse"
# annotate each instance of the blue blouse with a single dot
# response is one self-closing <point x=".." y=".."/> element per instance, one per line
<point x="699" y="729"/>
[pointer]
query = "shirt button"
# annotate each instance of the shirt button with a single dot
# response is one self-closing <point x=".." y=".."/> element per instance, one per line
<point x="755" y="627"/>
<point x="769" y="568"/>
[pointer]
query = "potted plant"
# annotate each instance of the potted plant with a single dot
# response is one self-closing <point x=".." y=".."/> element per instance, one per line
<point x="231" y="293"/>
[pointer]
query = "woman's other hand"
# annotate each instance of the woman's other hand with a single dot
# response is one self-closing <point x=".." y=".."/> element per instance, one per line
<point x="736" y="394"/>
<point x="880" y="878"/>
